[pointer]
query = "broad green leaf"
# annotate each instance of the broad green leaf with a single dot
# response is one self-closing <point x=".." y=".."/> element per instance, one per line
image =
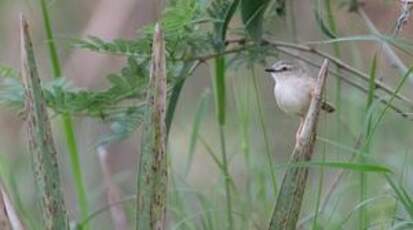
<point x="252" y="14"/>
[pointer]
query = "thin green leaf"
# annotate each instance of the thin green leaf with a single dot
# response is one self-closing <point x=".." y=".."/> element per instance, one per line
<point x="390" y="102"/>
<point x="360" y="167"/>
<point x="401" y="195"/>
<point x="219" y="89"/>
<point x="319" y="19"/>
<point x="228" y="16"/>
<point x="372" y="81"/>
<point x="8" y="72"/>
<point x="199" y="115"/>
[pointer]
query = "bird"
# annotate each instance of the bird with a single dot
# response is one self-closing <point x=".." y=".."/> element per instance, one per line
<point x="294" y="88"/>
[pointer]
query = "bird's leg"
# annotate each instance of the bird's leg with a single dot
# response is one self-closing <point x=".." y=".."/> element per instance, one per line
<point x="297" y="135"/>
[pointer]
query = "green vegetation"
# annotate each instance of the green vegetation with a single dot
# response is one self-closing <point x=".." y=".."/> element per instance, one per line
<point x="223" y="166"/>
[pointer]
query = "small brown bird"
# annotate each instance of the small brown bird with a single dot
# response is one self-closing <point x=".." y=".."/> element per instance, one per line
<point x="294" y="87"/>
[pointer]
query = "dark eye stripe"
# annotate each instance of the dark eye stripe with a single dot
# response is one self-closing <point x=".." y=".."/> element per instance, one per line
<point x="283" y="68"/>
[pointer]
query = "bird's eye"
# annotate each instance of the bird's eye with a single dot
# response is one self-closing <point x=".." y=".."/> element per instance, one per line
<point x="285" y="68"/>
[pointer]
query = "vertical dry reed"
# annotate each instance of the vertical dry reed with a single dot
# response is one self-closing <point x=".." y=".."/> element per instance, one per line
<point x="40" y="139"/>
<point x="152" y="172"/>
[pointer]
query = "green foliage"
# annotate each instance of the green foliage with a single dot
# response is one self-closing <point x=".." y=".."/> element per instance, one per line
<point x="252" y="14"/>
<point x="280" y="7"/>
<point x="219" y="89"/>
<point x="197" y="31"/>
<point x="118" y="103"/>
<point x="222" y="12"/>
<point x="356" y="167"/>
<point x="196" y="125"/>
<point x="8" y="72"/>
<point x="327" y="31"/>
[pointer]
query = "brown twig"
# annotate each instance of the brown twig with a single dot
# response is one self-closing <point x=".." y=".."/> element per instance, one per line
<point x="289" y="201"/>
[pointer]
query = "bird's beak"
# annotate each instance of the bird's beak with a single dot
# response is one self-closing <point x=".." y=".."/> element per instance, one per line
<point x="270" y="70"/>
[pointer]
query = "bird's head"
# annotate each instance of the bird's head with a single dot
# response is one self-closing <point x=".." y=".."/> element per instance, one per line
<point x="284" y="69"/>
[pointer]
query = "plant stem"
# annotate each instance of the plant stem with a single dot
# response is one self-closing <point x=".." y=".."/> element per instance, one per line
<point x="264" y="133"/>
<point x="332" y="24"/>
<point x="320" y="191"/>
<point x="41" y="144"/>
<point x="292" y="21"/>
<point x="242" y="91"/>
<point x="220" y="99"/>
<point x="66" y="120"/>
<point x="227" y="179"/>
<point x="152" y="175"/>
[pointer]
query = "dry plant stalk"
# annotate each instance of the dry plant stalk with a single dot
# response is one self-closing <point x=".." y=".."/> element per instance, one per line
<point x="152" y="172"/>
<point x="40" y="139"/>
<point x="5" y="222"/>
<point x="113" y="196"/>
<point x="289" y="200"/>
<point x="8" y="211"/>
<point x="14" y="219"/>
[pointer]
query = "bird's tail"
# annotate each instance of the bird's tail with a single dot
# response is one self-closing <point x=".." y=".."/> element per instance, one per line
<point x="327" y="107"/>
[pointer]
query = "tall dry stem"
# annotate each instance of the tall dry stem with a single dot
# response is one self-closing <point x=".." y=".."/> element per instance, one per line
<point x="40" y="139"/>
<point x="152" y="172"/>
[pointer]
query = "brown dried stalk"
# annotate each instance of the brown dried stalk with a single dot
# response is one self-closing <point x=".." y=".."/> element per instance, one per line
<point x="41" y="144"/>
<point x="289" y="201"/>
<point x="152" y="172"/>
<point x="5" y="222"/>
<point x="113" y="196"/>
<point x="8" y="215"/>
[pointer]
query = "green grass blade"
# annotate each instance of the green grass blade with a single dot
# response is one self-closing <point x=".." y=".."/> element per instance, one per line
<point x="264" y="132"/>
<point x="227" y="19"/>
<point x="401" y="195"/>
<point x="386" y="109"/>
<point x="319" y="19"/>
<point x="372" y="82"/>
<point x="359" y="167"/>
<point x="220" y="105"/>
<point x="363" y="217"/>
<point x="252" y="15"/>
<point x="67" y="120"/>
<point x="199" y="115"/>
<point x="219" y="89"/>
<point x="176" y="92"/>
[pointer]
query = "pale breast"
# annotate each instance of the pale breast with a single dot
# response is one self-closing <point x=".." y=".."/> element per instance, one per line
<point x="294" y="95"/>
